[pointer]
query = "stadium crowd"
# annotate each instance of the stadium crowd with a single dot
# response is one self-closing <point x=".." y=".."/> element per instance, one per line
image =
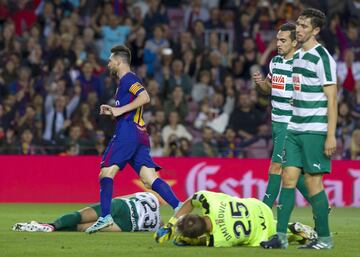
<point x="195" y="58"/>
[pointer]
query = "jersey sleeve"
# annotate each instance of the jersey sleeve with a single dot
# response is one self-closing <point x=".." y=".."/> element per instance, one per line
<point x="326" y="69"/>
<point x="136" y="88"/>
<point x="199" y="200"/>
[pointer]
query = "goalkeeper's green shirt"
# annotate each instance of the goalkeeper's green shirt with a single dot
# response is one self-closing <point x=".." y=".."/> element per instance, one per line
<point x="235" y="221"/>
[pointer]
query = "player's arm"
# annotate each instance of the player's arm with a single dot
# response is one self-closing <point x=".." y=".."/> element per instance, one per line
<point x="330" y="143"/>
<point x="140" y="100"/>
<point x="263" y="84"/>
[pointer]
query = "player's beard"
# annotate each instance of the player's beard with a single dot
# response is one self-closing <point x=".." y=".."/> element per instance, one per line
<point x="303" y="39"/>
<point x="113" y="72"/>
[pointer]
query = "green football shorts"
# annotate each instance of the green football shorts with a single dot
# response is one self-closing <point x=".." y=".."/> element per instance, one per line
<point x="306" y="151"/>
<point x="278" y="135"/>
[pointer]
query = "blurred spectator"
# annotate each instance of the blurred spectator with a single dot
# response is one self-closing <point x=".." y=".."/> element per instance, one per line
<point x="229" y="145"/>
<point x="89" y="82"/>
<point x="64" y="52"/>
<point x="217" y="70"/>
<point x="174" y="127"/>
<point x="207" y="147"/>
<point x="332" y="35"/>
<point x="353" y="38"/>
<point x="214" y="22"/>
<point x="184" y="148"/>
<point x="158" y="122"/>
<point x="155" y="101"/>
<point x="348" y="71"/>
<point x="156" y="14"/>
<point x="153" y="48"/>
<point x="23" y="15"/>
<point x="58" y="113"/>
<point x="355" y="102"/>
<point x="177" y="78"/>
<point x="190" y="65"/>
<point x="98" y="69"/>
<point x="27" y="145"/>
<point x="136" y="42"/>
<point x="194" y="12"/>
<point x="7" y="76"/>
<point x="219" y="113"/>
<point x="345" y="125"/>
<point x="9" y="143"/>
<point x="202" y="90"/>
<point x="27" y="119"/>
<point x="99" y="144"/>
<point x="245" y="119"/>
<point x="177" y="103"/>
<point x="355" y="145"/>
<point x="157" y="148"/>
<point x="85" y="120"/>
<point x="114" y="33"/>
<point x="75" y="138"/>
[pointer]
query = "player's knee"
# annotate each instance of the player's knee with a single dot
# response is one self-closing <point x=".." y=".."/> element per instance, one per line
<point x="147" y="186"/>
<point x="148" y="176"/>
<point x="109" y="172"/>
<point x="314" y="184"/>
<point x="275" y="168"/>
<point x="288" y="181"/>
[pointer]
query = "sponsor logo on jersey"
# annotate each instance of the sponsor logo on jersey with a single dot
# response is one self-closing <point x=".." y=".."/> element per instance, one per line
<point x="278" y="81"/>
<point x="296" y="82"/>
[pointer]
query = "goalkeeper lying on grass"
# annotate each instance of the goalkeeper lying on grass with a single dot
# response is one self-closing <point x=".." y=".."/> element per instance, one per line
<point x="137" y="212"/>
<point x="225" y="221"/>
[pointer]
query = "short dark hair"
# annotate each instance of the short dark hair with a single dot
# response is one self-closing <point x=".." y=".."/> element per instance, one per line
<point x="191" y="225"/>
<point x="291" y="27"/>
<point x="317" y="17"/>
<point x="123" y="52"/>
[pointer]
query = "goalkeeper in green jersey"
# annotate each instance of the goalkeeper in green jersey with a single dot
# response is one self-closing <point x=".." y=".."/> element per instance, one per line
<point x="225" y="221"/>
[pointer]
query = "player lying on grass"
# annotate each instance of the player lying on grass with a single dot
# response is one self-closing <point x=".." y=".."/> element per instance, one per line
<point x="225" y="221"/>
<point x="137" y="212"/>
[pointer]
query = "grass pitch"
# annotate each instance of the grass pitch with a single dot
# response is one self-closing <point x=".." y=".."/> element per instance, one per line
<point x="345" y="225"/>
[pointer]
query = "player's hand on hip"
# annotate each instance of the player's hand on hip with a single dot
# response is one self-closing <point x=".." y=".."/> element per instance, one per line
<point x="330" y="146"/>
<point x="166" y="232"/>
<point x="105" y="109"/>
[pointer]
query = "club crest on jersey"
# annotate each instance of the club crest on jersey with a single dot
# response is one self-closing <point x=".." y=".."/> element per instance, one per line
<point x="117" y="103"/>
<point x="278" y="81"/>
<point x="296" y="82"/>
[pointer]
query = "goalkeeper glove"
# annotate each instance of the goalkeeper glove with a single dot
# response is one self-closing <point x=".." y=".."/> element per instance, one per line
<point x="185" y="241"/>
<point x="166" y="232"/>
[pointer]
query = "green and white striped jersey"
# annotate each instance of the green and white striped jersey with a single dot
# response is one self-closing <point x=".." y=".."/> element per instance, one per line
<point x="312" y="70"/>
<point x="280" y="71"/>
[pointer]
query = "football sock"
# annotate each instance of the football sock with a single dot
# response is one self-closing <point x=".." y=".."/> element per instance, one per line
<point x="165" y="191"/>
<point x="272" y="190"/>
<point x="67" y="222"/>
<point x="302" y="188"/>
<point x="320" y="205"/>
<point x="106" y="190"/>
<point x="285" y="207"/>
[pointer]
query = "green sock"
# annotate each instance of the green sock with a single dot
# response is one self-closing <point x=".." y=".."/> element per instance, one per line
<point x="272" y="190"/>
<point x="285" y="207"/>
<point x="320" y="206"/>
<point x="302" y="188"/>
<point x="68" y="221"/>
